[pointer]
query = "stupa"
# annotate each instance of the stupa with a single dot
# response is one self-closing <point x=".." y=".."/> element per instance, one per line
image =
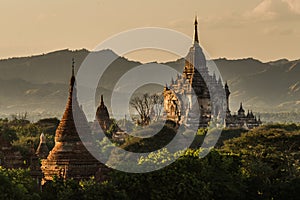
<point x="69" y="158"/>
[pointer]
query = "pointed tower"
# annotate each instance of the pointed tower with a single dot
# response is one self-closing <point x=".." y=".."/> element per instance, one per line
<point x="69" y="158"/>
<point x="102" y="116"/>
<point x="227" y="93"/>
<point x="179" y="99"/>
<point x="259" y="121"/>
<point x="196" y="56"/>
<point x="42" y="150"/>
<point x="196" y="40"/>
<point x="241" y="111"/>
<point x="200" y="77"/>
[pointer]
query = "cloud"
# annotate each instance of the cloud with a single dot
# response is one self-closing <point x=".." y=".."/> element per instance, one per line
<point x="282" y="11"/>
<point x="274" y="9"/>
<point x="264" y="9"/>
<point x="294" y="5"/>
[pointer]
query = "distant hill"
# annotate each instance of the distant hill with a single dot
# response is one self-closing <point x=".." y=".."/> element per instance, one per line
<point x="265" y="87"/>
<point x="39" y="84"/>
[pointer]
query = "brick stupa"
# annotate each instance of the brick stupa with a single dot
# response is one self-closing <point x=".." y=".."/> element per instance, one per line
<point x="69" y="158"/>
<point x="102" y="116"/>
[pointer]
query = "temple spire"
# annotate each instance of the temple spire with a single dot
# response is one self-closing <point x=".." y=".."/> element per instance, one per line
<point x="241" y="111"/>
<point x="196" y="40"/>
<point x="72" y="80"/>
<point x="73" y="66"/>
<point x="102" y="102"/>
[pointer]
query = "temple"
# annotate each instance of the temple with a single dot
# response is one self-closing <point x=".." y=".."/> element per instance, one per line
<point x="196" y="97"/>
<point x="187" y="99"/>
<point x="69" y="158"/>
<point x="102" y="116"/>
<point x="242" y="120"/>
<point x="107" y="124"/>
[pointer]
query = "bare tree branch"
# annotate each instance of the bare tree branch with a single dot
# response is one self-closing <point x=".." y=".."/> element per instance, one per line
<point x="148" y="107"/>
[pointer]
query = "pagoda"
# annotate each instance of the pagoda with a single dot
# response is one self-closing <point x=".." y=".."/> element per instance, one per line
<point x="69" y="158"/>
<point x="187" y="100"/>
<point x="42" y="150"/>
<point x="102" y="116"/>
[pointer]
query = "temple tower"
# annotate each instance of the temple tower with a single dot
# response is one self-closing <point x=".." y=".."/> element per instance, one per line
<point x="227" y="92"/>
<point x="188" y="96"/>
<point x="69" y="158"/>
<point x="241" y="111"/>
<point x="102" y="116"/>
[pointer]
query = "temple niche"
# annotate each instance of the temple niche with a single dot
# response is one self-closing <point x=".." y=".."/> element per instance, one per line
<point x="69" y="158"/>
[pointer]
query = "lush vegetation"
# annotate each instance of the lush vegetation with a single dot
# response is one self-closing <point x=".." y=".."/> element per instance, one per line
<point x="17" y="184"/>
<point x="270" y="160"/>
<point x="263" y="163"/>
<point x="21" y="134"/>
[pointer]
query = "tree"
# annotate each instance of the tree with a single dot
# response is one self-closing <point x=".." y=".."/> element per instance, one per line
<point x="112" y="129"/>
<point x="269" y="160"/>
<point x="148" y="107"/>
<point x="20" y="119"/>
<point x="8" y="133"/>
<point x="17" y="184"/>
<point x="84" y="190"/>
<point x="216" y="176"/>
<point x="158" y="105"/>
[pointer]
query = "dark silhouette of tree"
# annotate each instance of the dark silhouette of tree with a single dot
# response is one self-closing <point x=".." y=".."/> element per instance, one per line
<point x="148" y="107"/>
<point x="7" y="132"/>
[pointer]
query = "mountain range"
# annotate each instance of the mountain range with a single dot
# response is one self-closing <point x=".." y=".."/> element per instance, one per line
<point x="39" y="84"/>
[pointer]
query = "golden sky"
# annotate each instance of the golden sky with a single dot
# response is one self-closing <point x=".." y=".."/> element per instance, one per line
<point x="263" y="29"/>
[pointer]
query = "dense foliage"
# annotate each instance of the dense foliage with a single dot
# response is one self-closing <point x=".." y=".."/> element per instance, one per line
<point x="17" y="184"/>
<point x="270" y="160"/>
<point x="22" y="134"/>
<point x="259" y="164"/>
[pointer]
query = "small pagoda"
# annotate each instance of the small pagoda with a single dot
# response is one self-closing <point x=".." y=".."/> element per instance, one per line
<point x="102" y="116"/>
<point x="42" y="151"/>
